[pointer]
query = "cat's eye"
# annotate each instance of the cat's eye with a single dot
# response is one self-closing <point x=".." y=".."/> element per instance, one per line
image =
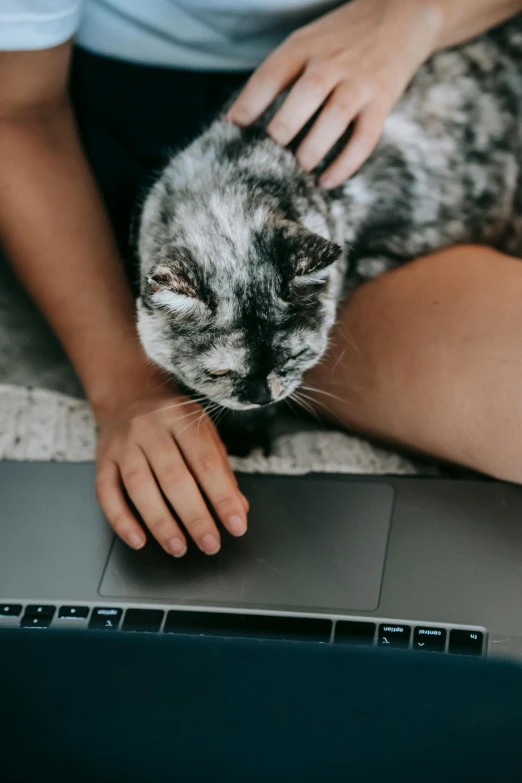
<point x="217" y="373"/>
<point x="297" y="355"/>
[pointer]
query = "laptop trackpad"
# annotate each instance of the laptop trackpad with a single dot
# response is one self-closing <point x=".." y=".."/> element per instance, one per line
<point x="313" y="544"/>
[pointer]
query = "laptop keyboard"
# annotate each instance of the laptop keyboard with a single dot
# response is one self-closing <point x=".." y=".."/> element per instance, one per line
<point x="385" y="635"/>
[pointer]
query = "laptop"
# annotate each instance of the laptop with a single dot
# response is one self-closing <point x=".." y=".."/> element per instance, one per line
<point x="150" y="708"/>
<point x="417" y="564"/>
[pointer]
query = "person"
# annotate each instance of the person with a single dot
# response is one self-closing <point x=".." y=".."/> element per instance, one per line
<point x="427" y="356"/>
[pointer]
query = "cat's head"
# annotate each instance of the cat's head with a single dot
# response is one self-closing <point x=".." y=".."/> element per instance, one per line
<point x="236" y="302"/>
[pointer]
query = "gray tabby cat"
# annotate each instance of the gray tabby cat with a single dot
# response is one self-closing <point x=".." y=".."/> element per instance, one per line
<point x="244" y="259"/>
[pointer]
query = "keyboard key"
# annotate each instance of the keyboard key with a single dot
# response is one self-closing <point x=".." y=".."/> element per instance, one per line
<point x="465" y="642"/>
<point x="39" y="610"/>
<point x="144" y="620"/>
<point x="10" y="610"/>
<point x="348" y="632"/>
<point x="35" y="622"/>
<point x="309" y="629"/>
<point x="396" y="636"/>
<point x="105" y="618"/>
<point x="429" y="639"/>
<point x="73" y="612"/>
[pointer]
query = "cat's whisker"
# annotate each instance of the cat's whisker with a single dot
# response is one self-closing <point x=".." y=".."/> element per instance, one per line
<point x="187" y="416"/>
<point x="339" y="359"/>
<point x="348" y="336"/>
<point x="325" y="409"/>
<point x="313" y="399"/>
<point x="305" y="405"/>
<point x="202" y="409"/>
<point x="220" y="415"/>
<point x="298" y="402"/>
<point x="191" y="423"/>
<point x="327" y="394"/>
<point x="176" y="405"/>
<point x="323" y="405"/>
<point x="205" y="413"/>
<point x="327" y="355"/>
<point x="214" y="412"/>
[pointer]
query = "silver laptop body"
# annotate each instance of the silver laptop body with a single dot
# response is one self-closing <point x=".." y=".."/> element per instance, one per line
<point x="426" y="565"/>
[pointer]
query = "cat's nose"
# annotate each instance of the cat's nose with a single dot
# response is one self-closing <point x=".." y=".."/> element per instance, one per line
<point x="257" y="391"/>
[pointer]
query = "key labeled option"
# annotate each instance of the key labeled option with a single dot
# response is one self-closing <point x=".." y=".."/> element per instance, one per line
<point x="429" y="639"/>
<point x="397" y="636"/>
<point x="73" y="612"/>
<point x="105" y="618"/>
<point x="10" y="610"/>
<point x="465" y="642"/>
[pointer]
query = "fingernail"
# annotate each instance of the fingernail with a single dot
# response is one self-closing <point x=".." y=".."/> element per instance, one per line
<point x="236" y="525"/>
<point x="327" y="183"/>
<point x="238" y="116"/>
<point x="305" y="162"/>
<point x="210" y="544"/>
<point x="136" y="541"/>
<point x="176" y="546"/>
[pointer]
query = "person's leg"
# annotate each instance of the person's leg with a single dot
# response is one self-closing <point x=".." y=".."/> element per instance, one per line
<point x="429" y="356"/>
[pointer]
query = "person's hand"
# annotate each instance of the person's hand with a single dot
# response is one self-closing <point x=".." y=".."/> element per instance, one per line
<point x="165" y="448"/>
<point x="355" y="62"/>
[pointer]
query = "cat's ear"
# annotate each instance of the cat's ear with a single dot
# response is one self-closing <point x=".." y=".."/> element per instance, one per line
<point x="169" y="287"/>
<point x="303" y="254"/>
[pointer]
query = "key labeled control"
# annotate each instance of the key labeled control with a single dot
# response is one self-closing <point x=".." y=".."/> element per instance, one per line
<point x="429" y="639"/>
<point x="105" y="618"/>
<point x="397" y="636"/>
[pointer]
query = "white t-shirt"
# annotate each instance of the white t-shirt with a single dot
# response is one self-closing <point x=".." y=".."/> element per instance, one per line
<point x="226" y="35"/>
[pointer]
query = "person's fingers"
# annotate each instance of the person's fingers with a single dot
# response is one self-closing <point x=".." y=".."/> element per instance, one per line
<point x="337" y="114"/>
<point x="265" y="84"/>
<point x="304" y="99"/>
<point x="366" y="134"/>
<point x="221" y="446"/>
<point x="209" y="467"/>
<point x="112" y="501"/>
<point x="143" y="490"/>
<point x="180" y="489"/>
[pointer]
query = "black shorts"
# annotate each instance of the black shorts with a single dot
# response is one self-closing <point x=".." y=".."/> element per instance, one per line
<point x="131" y="118"/>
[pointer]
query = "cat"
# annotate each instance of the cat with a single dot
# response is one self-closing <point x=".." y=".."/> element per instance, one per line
<point x="244" y="259"/>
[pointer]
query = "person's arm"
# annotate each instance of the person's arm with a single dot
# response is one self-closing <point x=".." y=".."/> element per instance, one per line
<point x="353" y="64"/>
<point x="53" y="226"/>
<point x="462" y="20"/>
<point x="55" y="233"/>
